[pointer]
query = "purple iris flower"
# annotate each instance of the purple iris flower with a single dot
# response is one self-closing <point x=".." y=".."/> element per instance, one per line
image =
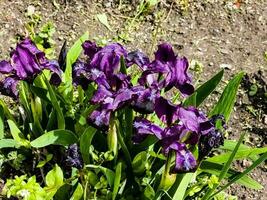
<point x="27" y="61"/>
<point x="99" y="119"/>
<point x="8" y="87"/>
<point x="90" y="48"/>
<point x="107" y="59"/>
<point x="169" y="71"/>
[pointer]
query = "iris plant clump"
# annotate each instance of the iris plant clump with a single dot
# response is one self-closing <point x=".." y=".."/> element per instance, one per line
<point x="86" y="128"/>
<point x="181" y="127"/>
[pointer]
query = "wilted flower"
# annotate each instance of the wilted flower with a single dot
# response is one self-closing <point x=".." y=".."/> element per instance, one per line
<point x="139" y="58"/>
<point x="73" y="157"/>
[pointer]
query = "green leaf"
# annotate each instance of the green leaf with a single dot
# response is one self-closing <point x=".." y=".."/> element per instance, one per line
<point x="226" y="102"/>
<point x="2" y="126"/>
<point x="107" y="172"/>
<point x="8" y="143"/>
<point x="72" y="56"/>
<point x="102" y="18"/>
<point x="139" y="162"/>
<point x="191" y="101"/>
<point x="177" y="191"/>
<point x="117" y="181"/>
<point x="55" y="137"/>
<point x="240" y="154"/>
<point x="230" y="145"/>
<point x="215" y="169"/>
<point x="54" y="101"/>
<point x="78" y="193"/>
<point x="53" y="180"/>
<point x="85" y="143"/>
<point x="17" y="135"/>
<point x="206" y="89"/>
<point x="24" y="98"/>
<point x="239" y="176"/>
<point x="7" y="112"/>
<point x="225" y="168"/>
<point x="40" y="92"/>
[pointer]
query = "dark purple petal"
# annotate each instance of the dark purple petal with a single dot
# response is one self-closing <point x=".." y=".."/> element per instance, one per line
<point x="8" y="87"/>
<point x="108" y="58"/>
<point x="53" y="66"/>
<point x="145" y="99"/>
<point x="185" y="161"/>
<point x="101" y="95"/>
<point x="63" y="56"/>
<point x="90" y="48"/>
<point x="27" y="60"/>
<point x="178" y="77"/>
<point x="81" y="74"/>
<point x="121" y="98"/>
<point x="120" y="80"/>
<point x="99" y="119"/>
<point x="166" y="111"/>
<point x="144" y="127"/>
<point x="139" y="58"/>
<point x="165" y="53"/>
<point x="190" y="118"/>
<point x="5" y="67"/>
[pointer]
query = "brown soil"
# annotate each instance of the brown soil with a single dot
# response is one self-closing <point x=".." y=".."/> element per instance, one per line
<point x="217" y="33"/>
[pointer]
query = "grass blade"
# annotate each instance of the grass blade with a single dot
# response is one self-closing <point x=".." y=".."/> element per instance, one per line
<point x="240" y="175"/>
<point x="225" y="168"/>
<point x="1" y="122"/>
<point x="117" y="181"/>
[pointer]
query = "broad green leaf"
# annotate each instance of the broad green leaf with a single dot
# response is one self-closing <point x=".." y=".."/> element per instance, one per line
<point x="85" y="143"/>
<point x="139" y="162"/>
<point x="238" y="176"/>
<point x="8" y="143"/>
<point x="2" y="126"/>
<point x="7" y="112"/>
<point x="103" y="19"/>
<point x="117" y="180"/>
<point x="215" y="169"/>
<point x="24" y="98"/>
<point x="40" y="92"/>
<point x="191" y="101"/>
<point x="17" y="135"/>
<point x="241" y="154"/>
<point x="177" y="191"/>
<point x="53" y="180"/>
<point x="78" y="193"/>
<point x="54" y="101"/>
<point x="110" y="175"/>
<point x="55" y="137"/>
<point x="72" y="56"/>
<point x="206" y="89"/>
<point x="226" y="102"/>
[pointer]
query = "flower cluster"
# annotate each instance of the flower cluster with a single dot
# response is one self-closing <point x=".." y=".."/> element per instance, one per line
<point x="184" y="126"/>
<point x="26" y="62"/>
